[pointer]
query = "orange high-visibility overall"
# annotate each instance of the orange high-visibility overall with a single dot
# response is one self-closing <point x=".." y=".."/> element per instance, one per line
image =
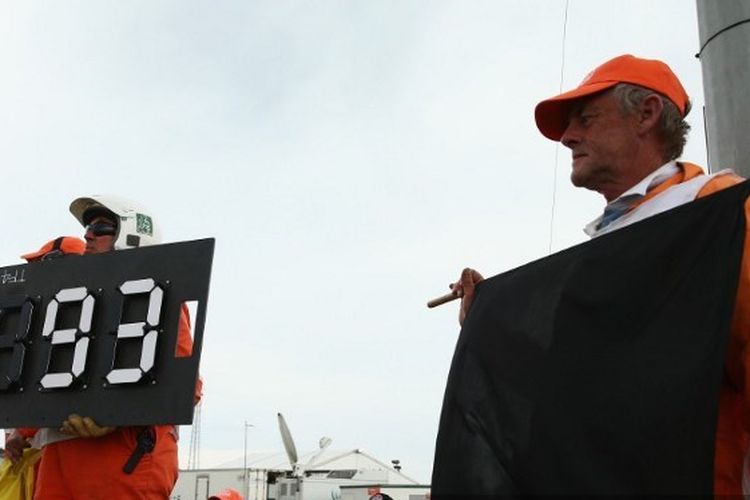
<point x="91" y="468"/>
<point x="733" y="429"/>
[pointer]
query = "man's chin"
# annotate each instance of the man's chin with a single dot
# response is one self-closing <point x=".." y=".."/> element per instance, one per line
<point x="584" y="182"/>
<point x="579" y="180"/>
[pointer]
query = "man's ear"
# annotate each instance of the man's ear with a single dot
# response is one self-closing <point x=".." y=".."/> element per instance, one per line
<point x="649" y="113"/>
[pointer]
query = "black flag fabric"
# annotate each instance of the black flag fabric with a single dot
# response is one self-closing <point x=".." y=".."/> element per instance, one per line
<point x="597" y="370"/>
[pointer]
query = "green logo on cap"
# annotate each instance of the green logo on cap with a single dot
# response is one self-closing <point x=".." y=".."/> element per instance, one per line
<point x="144" y="224"/>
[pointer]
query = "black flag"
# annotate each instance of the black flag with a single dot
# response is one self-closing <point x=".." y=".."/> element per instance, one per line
<point x="597" y="370"/>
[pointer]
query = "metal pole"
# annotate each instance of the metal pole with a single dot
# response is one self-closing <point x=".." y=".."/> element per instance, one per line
<point x="724" y="29"/>
<point x="244" y="464"/>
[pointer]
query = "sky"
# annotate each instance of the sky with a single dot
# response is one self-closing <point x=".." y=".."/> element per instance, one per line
<point x="349" y="157"/>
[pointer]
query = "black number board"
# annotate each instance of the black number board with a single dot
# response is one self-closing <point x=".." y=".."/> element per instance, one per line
<point x="60" y="350"/>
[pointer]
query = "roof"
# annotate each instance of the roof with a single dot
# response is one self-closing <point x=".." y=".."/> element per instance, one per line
<point x="328" y="460"/>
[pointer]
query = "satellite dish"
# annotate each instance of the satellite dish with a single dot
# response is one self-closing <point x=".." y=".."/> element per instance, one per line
<point x="291" y="450"/>
<point x="286" y="438"/>
<point x="324" y="443"/>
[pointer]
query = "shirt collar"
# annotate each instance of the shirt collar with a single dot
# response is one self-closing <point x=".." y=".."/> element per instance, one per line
<point x="636" y="192"/>
<point x="652" y="180"/>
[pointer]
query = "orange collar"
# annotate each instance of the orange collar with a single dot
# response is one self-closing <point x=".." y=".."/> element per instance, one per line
<point x="687" y="171"/>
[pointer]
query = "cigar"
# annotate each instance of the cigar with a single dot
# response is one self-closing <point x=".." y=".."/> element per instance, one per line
<point x="438" y="301"/>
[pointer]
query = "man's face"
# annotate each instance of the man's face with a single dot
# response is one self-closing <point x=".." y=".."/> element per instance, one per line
<point x="96" y="241"/>
<point x="604" y="142"/>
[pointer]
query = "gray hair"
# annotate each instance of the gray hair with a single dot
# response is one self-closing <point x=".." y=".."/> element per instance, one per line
<point x="672" y="127"/>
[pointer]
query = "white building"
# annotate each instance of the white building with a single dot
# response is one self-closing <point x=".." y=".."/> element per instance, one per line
<point x="269" y="476"/>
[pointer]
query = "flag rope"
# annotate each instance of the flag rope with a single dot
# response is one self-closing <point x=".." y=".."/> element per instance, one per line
<point x="557" y="146"/>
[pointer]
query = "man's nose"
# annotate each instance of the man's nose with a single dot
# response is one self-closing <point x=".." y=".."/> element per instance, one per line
<point x="571" y="136"/>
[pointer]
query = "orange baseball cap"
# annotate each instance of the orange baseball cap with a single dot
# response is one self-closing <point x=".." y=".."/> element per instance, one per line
<point x="227" y="494"/>
<point x="63" y="244"/>
<point x="552" y="114"/>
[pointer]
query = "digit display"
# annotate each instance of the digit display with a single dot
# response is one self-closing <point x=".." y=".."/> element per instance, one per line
<point x="13" y="340"/>
<point x="79" y="337"/>
<point x="97" y="335"/>
<point x="146" y="329"/>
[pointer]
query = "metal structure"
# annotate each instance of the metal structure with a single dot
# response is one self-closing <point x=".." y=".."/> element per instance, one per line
<point x="244" y="463"/>
<point x="194" y="455"/>
<point x="724" y="29"/>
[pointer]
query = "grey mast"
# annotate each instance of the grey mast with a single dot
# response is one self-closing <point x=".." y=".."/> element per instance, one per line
<point x="724" y="29"/>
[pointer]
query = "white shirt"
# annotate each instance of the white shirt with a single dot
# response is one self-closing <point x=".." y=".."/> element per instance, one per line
<point x="640" y="190"/>
<point x="671" y="197"/>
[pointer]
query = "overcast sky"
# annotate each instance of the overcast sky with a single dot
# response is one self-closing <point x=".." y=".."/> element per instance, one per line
<point x="349" y="157"/>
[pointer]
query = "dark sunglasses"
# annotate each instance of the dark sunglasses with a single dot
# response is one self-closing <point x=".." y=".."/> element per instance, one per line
<point x="101" y="229"/>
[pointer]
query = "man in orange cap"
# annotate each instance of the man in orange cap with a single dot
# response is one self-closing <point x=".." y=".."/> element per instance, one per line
<point x="64" y="245"/>
<point x="17" y="439"/>
<point x="227" y="494"/>
<point x="625" y="127"/>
